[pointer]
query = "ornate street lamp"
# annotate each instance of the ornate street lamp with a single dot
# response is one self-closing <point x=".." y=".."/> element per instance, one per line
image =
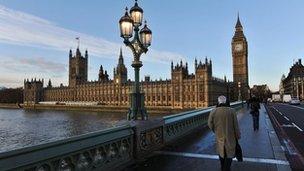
<point x="136" y="14"/>
<point x="302" y="89"/>
<point x="228" y="94"/>
<point x="126" y="26"/>
<point x="239" y="88"/>
<point x="294" y="87"/>
<point x="146" y="36"/>
<point x="139" y="44"/>
<point x="240" y="93"/>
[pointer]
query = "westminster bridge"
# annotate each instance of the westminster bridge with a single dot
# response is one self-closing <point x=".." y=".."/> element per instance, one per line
<point x="176" y="142"/>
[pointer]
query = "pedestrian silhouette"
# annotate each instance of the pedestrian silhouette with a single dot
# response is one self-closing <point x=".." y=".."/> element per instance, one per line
<point x="254" y="111"/>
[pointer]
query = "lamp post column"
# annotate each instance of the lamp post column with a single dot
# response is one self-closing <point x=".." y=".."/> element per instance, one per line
<point x="297" y="87"/>
<point x="227" y="90"/>
<point x="136" y="71"/>
<point x="302" y="85"/>
<point x="240" y="93"/>
<point x="239" y="88"/>
<point x="294" y="90"/>
<point x="136" y="96"/>
<point x="139" y="44"/>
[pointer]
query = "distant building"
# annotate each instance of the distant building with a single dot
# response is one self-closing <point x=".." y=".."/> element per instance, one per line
<point x="11" y="95"/>
<point x="183" y="90"/>
<point x="261" y="91"/>
<point x="33" y="91"/>
<point x="293" y="84"/>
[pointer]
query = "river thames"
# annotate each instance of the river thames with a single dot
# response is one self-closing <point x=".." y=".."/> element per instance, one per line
<point x="21" y="128"/>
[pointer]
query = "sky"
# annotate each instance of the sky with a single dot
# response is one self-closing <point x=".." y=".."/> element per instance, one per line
<point x="35" y="37"/>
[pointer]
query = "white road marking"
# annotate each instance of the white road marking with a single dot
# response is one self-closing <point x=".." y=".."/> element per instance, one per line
<point x="286" y="118"/>
<point x="298" y="107"/>
<point x="297" y="127"/>
<point x="278" y="111"/>
<point x="290" y="149"/>
<point x="294" y="106"/>
<point x="287" y="125"/>
<point x="283" y="148"/>
<point x="215" y="157"/>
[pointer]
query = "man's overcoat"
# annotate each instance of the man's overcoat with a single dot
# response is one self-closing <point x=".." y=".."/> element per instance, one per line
<point x="223" y="122"/>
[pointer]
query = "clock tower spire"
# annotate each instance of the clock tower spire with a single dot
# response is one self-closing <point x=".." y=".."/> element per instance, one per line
<point x="239" y="47"/>
<point x="238" y="23"/>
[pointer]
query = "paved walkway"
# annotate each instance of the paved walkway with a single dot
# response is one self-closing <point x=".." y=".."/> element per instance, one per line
<point x="261" y="150"/>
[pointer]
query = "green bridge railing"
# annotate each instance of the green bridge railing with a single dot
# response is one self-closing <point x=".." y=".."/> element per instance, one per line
<point x="110" y="149"/>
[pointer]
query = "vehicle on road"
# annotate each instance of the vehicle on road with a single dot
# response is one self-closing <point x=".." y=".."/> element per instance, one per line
<point x="286" y="98"/>
<point x="294" y="101"/>
<point x="276" y="98"/>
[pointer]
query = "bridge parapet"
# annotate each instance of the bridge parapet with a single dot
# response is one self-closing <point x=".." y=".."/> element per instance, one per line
<point x="181" y="124"/>
<point x="107" y="149"/>
<point x="103" y="149"/>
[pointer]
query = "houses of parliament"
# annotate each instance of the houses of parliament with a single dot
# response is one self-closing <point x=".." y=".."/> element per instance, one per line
<point x="183" y="90"/>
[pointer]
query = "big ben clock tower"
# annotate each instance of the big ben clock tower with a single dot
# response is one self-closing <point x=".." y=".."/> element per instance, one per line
<point x="240" y="62"/>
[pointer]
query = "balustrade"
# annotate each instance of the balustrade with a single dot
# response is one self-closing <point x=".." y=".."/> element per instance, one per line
<point x="107" y="149"/>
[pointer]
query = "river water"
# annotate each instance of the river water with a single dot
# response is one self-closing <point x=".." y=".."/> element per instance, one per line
<point x="21" y="128"/>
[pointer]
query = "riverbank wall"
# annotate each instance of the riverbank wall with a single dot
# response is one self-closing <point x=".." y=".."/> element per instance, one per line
<point x="10" y="105"/>
<point x="100" y="108"/>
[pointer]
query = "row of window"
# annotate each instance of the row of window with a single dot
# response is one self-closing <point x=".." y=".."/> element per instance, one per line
<point x="124" y="98"/>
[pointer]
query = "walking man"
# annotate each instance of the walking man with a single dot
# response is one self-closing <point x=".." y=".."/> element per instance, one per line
<point x="255" y="106"/>
<point x="223" y="122"/>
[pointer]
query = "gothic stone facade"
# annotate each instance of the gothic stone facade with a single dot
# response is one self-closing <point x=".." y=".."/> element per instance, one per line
<point x="239" y="47"/>
<point x="184" y="90"/>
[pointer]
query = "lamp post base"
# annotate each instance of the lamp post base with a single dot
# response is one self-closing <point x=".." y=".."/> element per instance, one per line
<point x="137" y="107"/>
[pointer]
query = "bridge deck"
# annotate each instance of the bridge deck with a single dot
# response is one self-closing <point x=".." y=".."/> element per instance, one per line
<point x="261" y="150"/>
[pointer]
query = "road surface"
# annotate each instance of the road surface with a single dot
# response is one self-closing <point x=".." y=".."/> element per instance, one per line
<point x="291" y="119"/>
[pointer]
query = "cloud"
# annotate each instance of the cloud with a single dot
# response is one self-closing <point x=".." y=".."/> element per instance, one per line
<point x="12" y="79"/>
<point x="20" y="28"/>
<point x="31" y="65"/>
<point x="15" y="69"/>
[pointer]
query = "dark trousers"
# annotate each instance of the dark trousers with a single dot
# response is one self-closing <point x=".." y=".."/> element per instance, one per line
<point x="225" y="162"/>
<point x="255" y="119"/>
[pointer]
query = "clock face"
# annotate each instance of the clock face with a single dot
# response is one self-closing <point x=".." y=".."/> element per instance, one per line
<point x="238" y="47"/>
